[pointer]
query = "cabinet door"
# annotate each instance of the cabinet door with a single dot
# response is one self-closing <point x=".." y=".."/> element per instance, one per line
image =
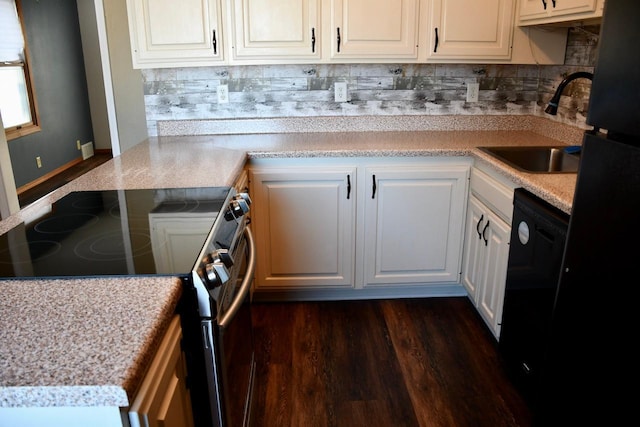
<point x="163" y="399"/>
<point x="374" y="29"/>
<point x="414" y="218"/>
<point x="484" y="268"/>
<point x="272" y="30"/>
<point x="542" y="9"/>
<point x="304" y="220"/>
<point x="473" y="257"/>
<point x="494" y="276"/>
<point x="167" y="33"/>
<point x="471" y="29"/>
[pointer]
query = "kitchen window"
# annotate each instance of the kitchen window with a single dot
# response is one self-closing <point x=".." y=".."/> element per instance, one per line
<point x="17" y="104"/>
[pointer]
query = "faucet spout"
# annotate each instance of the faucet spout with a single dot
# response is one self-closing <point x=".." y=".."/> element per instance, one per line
<point x="552" y="107"/>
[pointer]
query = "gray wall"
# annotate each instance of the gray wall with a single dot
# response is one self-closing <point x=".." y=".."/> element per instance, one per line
<point x="375" y="89"/>
<point x="59" y="77"/>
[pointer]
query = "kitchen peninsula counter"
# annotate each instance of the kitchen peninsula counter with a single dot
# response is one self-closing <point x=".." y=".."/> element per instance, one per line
<point x="87" y="342"/>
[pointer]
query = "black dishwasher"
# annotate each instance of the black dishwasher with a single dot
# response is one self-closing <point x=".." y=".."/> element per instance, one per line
<point x="538" y="236"/>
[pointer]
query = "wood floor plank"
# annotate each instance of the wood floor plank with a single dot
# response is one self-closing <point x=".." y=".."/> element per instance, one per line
<point x="413" y="362"/>
<point x="418" y="358"/>
<point x="363" y="375"/>
<point x="308" y="379"/>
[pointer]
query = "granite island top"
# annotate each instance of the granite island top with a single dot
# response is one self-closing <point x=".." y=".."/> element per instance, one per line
<point x="88" y="342"/>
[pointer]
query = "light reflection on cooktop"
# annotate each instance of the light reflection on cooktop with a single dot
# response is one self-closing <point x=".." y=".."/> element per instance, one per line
<point x="113" y="232"/>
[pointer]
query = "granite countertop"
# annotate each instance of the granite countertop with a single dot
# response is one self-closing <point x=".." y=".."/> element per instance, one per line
<point x="88" y="342"/>
<point x="80" y="342"/>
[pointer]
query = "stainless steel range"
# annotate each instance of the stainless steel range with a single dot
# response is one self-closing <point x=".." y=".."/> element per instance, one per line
<point x="200" y="235"/>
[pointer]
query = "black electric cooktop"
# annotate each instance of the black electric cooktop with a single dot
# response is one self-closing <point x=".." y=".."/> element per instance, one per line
<point x="113" y="232"/>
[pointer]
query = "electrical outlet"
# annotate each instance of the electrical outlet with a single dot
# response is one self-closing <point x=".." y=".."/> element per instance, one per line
<point x="340" y="91"/>
<point x="38" y="162"/>
<point x="78" y="145"/>
<point x="472" y="92"/>
<point x="223" y="94"/>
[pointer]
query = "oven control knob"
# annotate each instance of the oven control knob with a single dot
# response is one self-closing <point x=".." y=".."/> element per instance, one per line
<point x="238" y="206"/>
<point x="224" y="257"/>
<point x="217" y="268"/>
<point x="244" y="196"/>
<point x="216" y="274"/>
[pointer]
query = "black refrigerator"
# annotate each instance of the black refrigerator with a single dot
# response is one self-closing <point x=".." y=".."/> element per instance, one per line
<point x="593" y="362"/>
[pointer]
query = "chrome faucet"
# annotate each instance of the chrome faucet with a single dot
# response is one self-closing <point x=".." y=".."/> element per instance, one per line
<point x="552" y="107"/>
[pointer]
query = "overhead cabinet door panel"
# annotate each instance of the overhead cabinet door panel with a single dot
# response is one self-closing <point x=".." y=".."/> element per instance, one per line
<point x="276" y="29"/>
<point x="167" y="33"/>
<point x="471" y="29"/>
<point x="548" y="10"/>
<point x="374" y="28"/>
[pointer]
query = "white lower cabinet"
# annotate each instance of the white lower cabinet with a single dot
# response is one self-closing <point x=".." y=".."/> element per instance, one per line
<point x="358" y="226"/>
<point x="413" y="223"/>
<point x="163" y="398"/>
<point x="485" y="262"/>
<point x="486" y="248"/>
<point x="304" y="223"/>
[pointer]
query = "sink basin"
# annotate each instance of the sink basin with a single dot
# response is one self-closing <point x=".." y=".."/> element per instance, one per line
<point x="538" y="159"/>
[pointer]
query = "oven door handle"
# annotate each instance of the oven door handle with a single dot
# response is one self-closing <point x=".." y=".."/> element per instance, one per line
<point x="246" y="282"/>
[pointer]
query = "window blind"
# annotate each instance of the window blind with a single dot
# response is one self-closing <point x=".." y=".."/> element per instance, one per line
<point x="11" y="39"/>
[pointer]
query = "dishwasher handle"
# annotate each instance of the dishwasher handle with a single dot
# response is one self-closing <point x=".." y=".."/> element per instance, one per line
<point x="246" y="282"/>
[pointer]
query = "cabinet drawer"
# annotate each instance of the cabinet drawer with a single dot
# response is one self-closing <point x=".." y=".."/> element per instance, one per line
<point x="497" y="195"/>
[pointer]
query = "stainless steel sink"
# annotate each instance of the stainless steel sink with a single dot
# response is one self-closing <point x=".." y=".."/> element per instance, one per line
<point x="538" y="159"/>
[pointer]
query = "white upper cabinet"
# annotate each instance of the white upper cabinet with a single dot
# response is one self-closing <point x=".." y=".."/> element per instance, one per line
<point x="283" y="29"/>
<point x="552" y="11"/>
<point x="374" y="29"/>
<point x="168" y="33"/>
<point x="470" y="29"/>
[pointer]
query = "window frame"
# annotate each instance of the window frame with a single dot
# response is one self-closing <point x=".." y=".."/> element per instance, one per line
<point x="33" y="126"/>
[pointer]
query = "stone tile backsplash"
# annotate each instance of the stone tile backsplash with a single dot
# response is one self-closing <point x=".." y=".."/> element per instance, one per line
<point x="374" y="89"/>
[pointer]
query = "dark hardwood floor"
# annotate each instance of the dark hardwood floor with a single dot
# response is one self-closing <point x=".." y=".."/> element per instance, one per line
<point x="31" y="195"/>
<point x="406" y="362"/>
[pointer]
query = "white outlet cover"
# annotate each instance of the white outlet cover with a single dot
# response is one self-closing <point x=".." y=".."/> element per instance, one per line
<point x="340" y="91"/>
<point x="223" y="94"/>
<point x="472" y="92"/>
